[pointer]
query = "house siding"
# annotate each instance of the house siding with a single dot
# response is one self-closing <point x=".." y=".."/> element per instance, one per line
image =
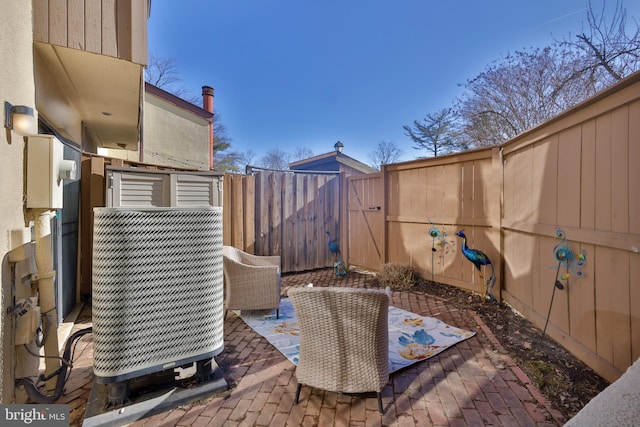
<point x="172" y="136"/>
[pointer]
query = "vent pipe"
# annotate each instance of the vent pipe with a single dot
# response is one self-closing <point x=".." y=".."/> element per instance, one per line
<point x="207" y="104"/>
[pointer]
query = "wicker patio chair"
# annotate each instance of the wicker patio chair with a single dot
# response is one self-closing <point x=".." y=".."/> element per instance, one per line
<point x="251" y="282"/>
<point x="343" y="339"/>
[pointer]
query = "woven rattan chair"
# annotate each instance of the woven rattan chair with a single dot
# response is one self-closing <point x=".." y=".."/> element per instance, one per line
<point x="343" y="339"/>
<point x="251" y="282"/>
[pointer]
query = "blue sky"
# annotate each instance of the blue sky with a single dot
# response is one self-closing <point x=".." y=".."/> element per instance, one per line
<point x="293" y="73"/>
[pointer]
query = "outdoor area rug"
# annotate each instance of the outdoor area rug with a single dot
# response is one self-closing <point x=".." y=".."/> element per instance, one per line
<point x="412" y="337"/>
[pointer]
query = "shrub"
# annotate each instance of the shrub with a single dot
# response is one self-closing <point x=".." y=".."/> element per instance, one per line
<point x="398" y="276"/>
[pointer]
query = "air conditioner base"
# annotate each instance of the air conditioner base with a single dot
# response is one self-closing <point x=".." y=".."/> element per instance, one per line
<point x="148" y="400"/>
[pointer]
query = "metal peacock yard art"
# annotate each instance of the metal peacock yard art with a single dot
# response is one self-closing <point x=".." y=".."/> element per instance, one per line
<point x="338" y="262"/>
<point x="479" y="259"/>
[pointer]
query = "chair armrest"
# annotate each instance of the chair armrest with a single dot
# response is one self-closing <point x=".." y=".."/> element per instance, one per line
<point x="241" y="268"/>
<point x="258" y="260"/>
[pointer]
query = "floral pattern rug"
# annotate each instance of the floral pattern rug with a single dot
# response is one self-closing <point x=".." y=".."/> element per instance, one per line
<point x="412" y="337"/>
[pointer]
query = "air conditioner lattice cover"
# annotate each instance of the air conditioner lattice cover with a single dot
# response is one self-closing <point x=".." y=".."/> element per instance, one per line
<point x="157" y="289"/>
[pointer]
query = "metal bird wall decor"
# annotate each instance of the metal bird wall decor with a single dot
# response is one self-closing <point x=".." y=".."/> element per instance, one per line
<point x="338" y="263"/>
<point x="438" y="240"/>
<point x="573" y="262"/>
<point x="479" y="259"/>
<point x="439" y="237"/>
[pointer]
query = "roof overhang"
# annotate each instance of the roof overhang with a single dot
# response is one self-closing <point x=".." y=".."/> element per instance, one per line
<point x="93" y="100"/>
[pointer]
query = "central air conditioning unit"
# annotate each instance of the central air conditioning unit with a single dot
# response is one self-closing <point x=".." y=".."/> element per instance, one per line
<point x="157" y="289"/>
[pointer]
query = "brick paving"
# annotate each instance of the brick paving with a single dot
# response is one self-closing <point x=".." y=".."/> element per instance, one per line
<point x="473" y="383"/>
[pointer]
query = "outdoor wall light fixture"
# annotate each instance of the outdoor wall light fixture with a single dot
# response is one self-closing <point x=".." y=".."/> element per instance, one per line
<point x="19" y="118"/>
<point x="338" y="147"/>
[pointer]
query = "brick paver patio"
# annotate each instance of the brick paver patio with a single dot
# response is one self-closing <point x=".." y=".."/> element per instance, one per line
<point x="473" y="383"/>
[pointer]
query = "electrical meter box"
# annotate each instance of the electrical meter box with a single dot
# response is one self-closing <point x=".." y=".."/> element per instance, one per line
<point x="44" y="182"/>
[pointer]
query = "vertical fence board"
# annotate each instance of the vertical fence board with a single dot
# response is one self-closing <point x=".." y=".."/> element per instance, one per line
<point x="237" y="237"/>
<point x="310" y="238"/>
<point x="569" y="154"/>
<point x="581" y="294"/>
<point x="546" y="280"/>
<point x="300" y="217"/>
<point x="545" y="169"/>
<point x="92" y="195"/>
<point x="288" y="219"/>
<point x="429" y="190"/>
<point x="520" y="250"/>
<point x="634" y="171"/>
<point x="634" y="298"/>
<point x="613" y="332"/>
<point x="467" y="193"/>
<point x="588" y="176"/>
<point x="482" y="180"/>
<point x="324" y="186"/>
<point x="603" y="173"/>
<point x="452" y="187"/>
<point x="248" y="219"/>
<point x="518" y="184"/>
<point x="261" y="216"/>
<point x="323" y="226"/>
<point x="227" y="212"/>
<point x="276" y="233"/>
<point x="620" y="170"/>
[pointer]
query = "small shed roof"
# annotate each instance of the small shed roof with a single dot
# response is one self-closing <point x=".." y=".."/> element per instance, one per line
<point x="331" y="162"/>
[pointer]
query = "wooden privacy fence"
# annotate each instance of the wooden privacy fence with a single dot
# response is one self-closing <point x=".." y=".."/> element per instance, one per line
<point x="283" y="213"/>
<point x="578" y="171"/>
<point x="446" y="195"/>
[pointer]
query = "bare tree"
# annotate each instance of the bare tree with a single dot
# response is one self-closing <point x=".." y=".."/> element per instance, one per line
<point x="275" y="159"/>
<point x="384" y="153"/>
<point x="519" y="92"/>
<point x="437" y="133"/>
<point x="609" y="52"/>
<point x="301" y="153"/>
<point x="246" y="158"/>
<point x="162" y="72"/>
<point x="527" y="87"/>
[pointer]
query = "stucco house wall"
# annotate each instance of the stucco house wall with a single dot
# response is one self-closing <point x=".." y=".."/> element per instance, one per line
<point x="174" y="136"/>
<point x="17" y="87"/>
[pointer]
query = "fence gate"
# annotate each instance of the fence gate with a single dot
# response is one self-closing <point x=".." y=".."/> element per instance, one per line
<point x="293" y="212"/>
<point x="365" y="209"/>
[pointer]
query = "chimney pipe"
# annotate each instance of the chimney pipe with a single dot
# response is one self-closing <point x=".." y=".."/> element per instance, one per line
<point x="207" y="104"/>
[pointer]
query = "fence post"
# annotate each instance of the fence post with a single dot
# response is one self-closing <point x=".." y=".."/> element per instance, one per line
<point x="91" y="195"/>
<point x="383" y="245"/>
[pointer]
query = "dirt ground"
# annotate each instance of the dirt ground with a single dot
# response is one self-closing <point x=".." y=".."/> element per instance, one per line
<point x="567" y="382"/>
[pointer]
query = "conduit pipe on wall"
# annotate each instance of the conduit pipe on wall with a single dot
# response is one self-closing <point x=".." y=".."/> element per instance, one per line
<point x="46" y="291"/>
